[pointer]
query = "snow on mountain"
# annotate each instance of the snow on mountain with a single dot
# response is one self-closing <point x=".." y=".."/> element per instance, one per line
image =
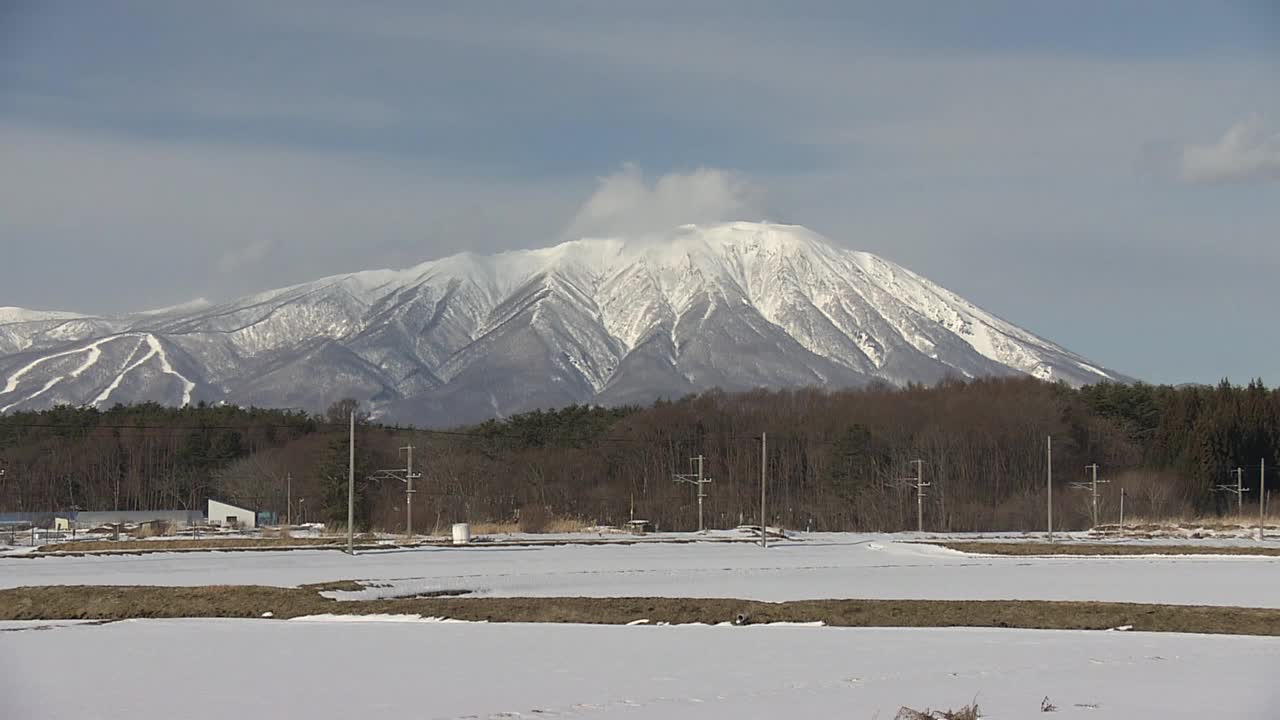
<point x="605" y="320"/>
<point x="10" y="315"/>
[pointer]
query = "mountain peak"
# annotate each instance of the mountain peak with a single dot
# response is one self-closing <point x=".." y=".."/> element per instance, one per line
<point x="10" y="314"/>
<point x="734" y="305"/>
<point x="738" y="234"/>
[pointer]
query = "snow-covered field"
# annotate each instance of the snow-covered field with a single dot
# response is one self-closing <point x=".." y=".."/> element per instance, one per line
<point x="214" y="669"/>
<point x="820" y="566"/>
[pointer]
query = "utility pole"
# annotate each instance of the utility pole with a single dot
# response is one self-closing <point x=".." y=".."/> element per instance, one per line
<point x="288" y="498"/>
<point x="1094" y="491"/>
<point x="1240" y="491"/>
<point x="351" y="489"/>
<point x="1237" y="489"/>
<point x="697" y="480"/>
<point x="409" y="491"/>
<point x="405" y="475"/>
<point x="764" y="472"/>
<point x="918" y="484"/>
<point x="1092" y="487"/>
<point x="1049" y="455"/>
<point x="1122" y="511"/>
<point x="1262" y="500"/>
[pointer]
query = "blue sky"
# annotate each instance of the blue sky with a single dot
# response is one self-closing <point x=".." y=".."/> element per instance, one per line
<point x="1106" y="174"/>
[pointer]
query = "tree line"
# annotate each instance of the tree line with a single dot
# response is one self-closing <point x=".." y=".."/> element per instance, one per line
<point x="834" y="460"/>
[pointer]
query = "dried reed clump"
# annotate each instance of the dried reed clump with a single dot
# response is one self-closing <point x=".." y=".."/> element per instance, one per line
<point x="534" y="518"/>
<point x="968" y="712"/>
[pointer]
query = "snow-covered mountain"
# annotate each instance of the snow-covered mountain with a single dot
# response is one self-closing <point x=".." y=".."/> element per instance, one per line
<point x="610" y="320"/>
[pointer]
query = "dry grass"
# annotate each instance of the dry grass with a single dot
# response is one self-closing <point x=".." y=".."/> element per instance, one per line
<point x="1225" y="523"/>
<point x="547" y="525"/>
<point x="117" y="603"/>
<point x="968" y="712"/>
<point x="185" y="544"/>
<point x="534" y="518"/>
<point x="494" y="528"/>
<point x="567" y="525"/>
<point x="1074" y="548"/>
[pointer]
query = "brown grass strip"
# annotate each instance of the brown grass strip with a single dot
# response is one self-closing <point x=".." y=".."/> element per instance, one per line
<point x="142" y="547"/>
<point x="1072" y="548"/>
<point x="124" y="602"/>
<point x="82" y="546"/>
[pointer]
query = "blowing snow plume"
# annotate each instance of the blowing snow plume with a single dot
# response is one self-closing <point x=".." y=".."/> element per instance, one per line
<point x="625" y="204"/>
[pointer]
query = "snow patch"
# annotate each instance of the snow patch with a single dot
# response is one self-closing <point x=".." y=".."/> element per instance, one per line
<point x="376" y="618"/>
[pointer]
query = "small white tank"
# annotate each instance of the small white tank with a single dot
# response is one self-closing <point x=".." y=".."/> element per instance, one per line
<point x="461" y="533"/>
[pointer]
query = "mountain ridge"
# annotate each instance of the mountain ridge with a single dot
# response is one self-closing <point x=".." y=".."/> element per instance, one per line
<point x="733" y="305"/>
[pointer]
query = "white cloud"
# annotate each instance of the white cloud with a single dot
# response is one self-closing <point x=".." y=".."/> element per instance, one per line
<point x="626" y="204"/>
<point x="1248" y="152"/>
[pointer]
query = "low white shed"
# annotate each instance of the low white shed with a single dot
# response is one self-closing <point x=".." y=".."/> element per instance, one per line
<point x="228" y="515"/>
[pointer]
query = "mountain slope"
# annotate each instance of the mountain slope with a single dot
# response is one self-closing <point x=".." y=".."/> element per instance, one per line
<point x="735" y="305"/>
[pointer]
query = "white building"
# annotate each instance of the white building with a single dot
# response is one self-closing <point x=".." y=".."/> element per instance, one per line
<point x="226" y="515"/>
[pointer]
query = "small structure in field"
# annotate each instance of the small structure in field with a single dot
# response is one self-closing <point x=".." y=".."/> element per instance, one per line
<point x="231" y="516"/>
<point x="640" y="527"/>
<point x="85" y="520"/>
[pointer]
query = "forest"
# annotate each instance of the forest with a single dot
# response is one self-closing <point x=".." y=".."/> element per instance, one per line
<point x="844" y="460"/>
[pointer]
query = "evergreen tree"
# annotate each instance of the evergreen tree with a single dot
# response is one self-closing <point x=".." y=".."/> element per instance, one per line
<point x="334" y="474"/>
